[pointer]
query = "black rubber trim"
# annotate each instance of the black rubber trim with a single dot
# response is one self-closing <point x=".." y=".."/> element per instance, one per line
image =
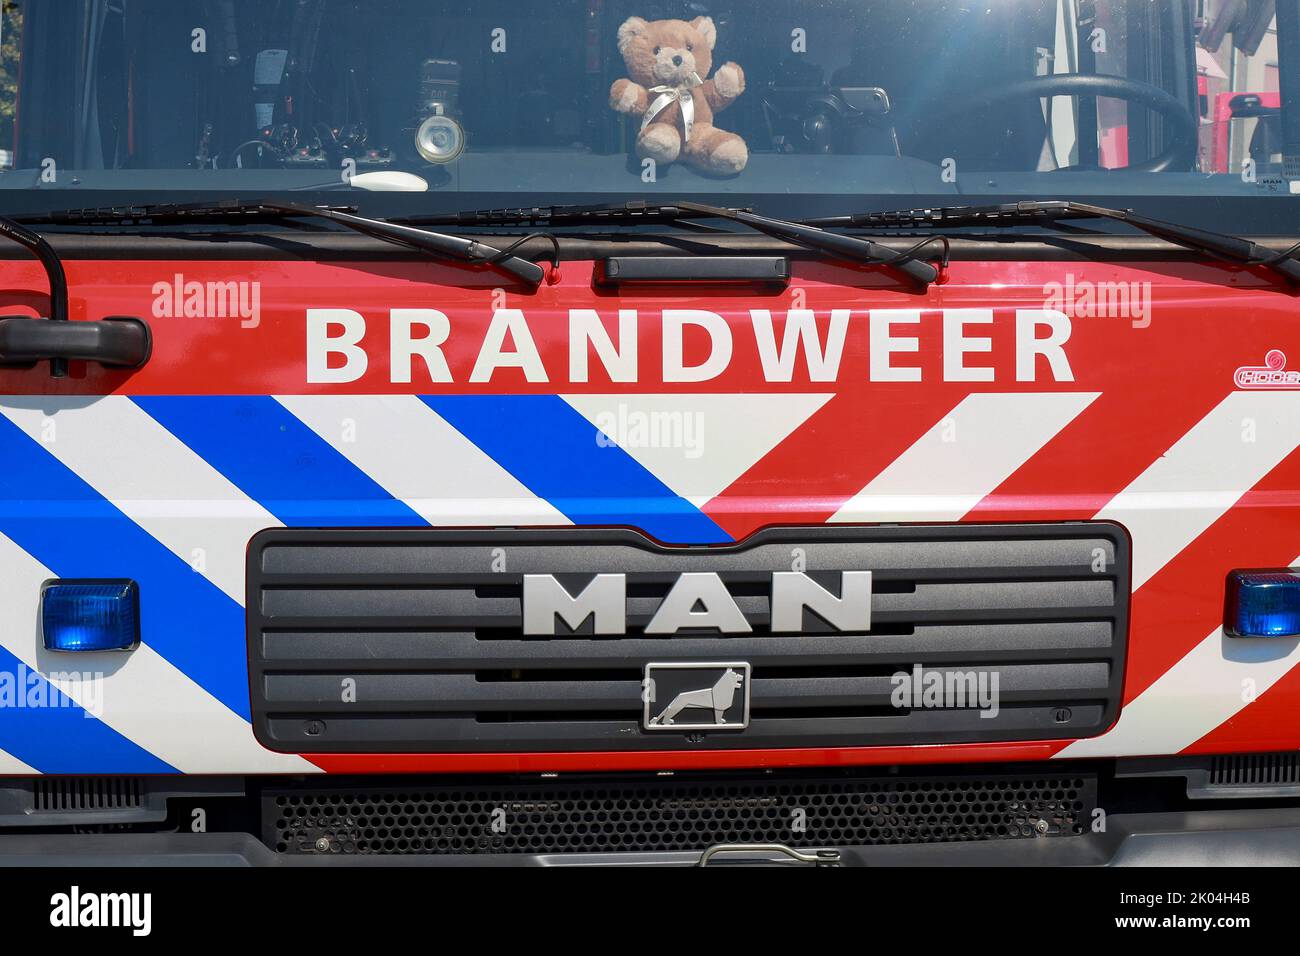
<point x="287" y="245"/>
<point x="115" y="342"/>
<point x="617" y="270"/>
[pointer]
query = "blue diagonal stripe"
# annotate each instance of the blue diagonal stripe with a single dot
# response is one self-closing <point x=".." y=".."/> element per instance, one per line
<point x="51" y="733"/>
<point x="278" y="461"/>
<point x="555" y="452"/>
<point x="66" y="525"/>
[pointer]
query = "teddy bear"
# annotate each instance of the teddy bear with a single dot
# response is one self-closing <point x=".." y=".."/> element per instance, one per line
<point x="669" y="62"/>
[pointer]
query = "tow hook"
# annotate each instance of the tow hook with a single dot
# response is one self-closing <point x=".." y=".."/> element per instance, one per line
<point x="816" y="858"/>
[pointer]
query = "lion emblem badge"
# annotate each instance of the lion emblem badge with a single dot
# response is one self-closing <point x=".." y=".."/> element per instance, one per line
<point x="689" y="697"/>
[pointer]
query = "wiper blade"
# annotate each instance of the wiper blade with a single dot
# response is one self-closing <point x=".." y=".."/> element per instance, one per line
<point x="436" y="244"/>
<point x="634" y="211"/>
<point x="852" y="248"/>
<point x="222" y="210"/>
<point x="1233" y="248"/>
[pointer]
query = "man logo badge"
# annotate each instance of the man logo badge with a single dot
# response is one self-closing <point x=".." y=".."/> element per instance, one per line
<point x="689" y="697"/>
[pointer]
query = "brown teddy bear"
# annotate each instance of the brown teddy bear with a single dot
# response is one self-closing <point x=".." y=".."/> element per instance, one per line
<point x="669" y="61"/>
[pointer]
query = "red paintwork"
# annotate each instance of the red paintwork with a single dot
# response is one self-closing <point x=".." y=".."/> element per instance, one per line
<point x="1222" y="310"/>
<point x="1156" y="382"/>
<point x="681" y="760"/>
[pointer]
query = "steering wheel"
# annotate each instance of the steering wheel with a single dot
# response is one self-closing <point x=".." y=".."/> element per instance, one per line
<point x="1179" y="154"/>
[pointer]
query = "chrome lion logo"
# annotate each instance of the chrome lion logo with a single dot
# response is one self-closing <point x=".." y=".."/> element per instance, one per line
<point x="1272" y="374"/>
<point x="714" y="696"/>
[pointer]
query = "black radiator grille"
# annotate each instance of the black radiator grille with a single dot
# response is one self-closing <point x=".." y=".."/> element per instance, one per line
<point x="664" y="814"/>
<point x="1247" y="770"/>
<point x="411" y="641"/>
<point x="77" y="794"/>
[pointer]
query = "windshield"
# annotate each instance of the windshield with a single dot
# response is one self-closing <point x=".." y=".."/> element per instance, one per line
<point x="824" y="104"/>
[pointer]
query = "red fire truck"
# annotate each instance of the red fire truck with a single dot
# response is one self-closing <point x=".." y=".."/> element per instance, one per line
<point x="649" y="431"/>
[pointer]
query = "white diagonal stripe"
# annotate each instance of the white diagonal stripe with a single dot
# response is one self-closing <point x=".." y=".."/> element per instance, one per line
<point x="697" y="444"/>
<point x="12" y="766"/>
<point x="965" y="456"/>
<point x="151" y="476"/>
<point x="420" y="459"/>
<point x="1203" y="475"/>
<point x="140" y="694"/>
<point x="1216" y="679"/>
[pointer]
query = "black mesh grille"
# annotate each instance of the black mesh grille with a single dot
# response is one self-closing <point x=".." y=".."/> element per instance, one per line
<point x="649" y="814"/>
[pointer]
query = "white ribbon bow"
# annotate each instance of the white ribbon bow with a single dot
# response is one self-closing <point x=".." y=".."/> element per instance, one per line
<point x="681" y="95"/>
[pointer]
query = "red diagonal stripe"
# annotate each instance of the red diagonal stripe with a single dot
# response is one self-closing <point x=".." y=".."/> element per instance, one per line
<point x="831" y="457"/>
<point x="1180" y="605"/>
<point x="1267" y="724"/>
<point x="1097" y="455"/>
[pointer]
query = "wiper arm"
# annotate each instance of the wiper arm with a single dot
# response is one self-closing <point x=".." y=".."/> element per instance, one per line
<point x="1226" y="246"/>
<point x="435" y="244"/>
<point x="853" y="248"/>
<point x="832" y="243"/>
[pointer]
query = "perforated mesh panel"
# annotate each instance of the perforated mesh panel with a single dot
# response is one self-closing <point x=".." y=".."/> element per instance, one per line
<point x="649" y="814"/>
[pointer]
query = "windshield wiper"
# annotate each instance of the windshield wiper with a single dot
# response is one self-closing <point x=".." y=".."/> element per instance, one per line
<point x="1223" y="245"/>
<point x="435" y="244"/>
<point x="852" y="248"/>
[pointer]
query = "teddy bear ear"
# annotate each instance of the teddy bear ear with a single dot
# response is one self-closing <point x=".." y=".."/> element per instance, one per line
<point x="707" y="29"/>
<point x="632" y="28"/>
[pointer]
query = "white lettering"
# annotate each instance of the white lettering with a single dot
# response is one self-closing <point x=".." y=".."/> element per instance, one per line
<point x="585" y="328"/>
<point x="884" y="345"/>
<point x="321" y="345"/>
<point x="800" y="328"/>
<point x="1029" y="346"/>
<point x="524" y="355"/>
<point x="956" y="344"/>
<point x="403" y="347"/>
<point x="674" y="330"/>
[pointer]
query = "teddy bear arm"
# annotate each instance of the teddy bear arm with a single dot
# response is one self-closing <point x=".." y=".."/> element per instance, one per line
<point x="626" y="96"/>
<point x="716" y="101"/>
<point x="725" y="86"/>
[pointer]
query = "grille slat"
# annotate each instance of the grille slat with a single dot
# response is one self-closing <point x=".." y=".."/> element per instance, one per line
<point x="411" y="640"/>
<point x="464" y="692"/>
<point x="1015" y="554"/>
<point x="461" y="607"/>
<point x="376" y="650"/>
<point x="356" y="733"/>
